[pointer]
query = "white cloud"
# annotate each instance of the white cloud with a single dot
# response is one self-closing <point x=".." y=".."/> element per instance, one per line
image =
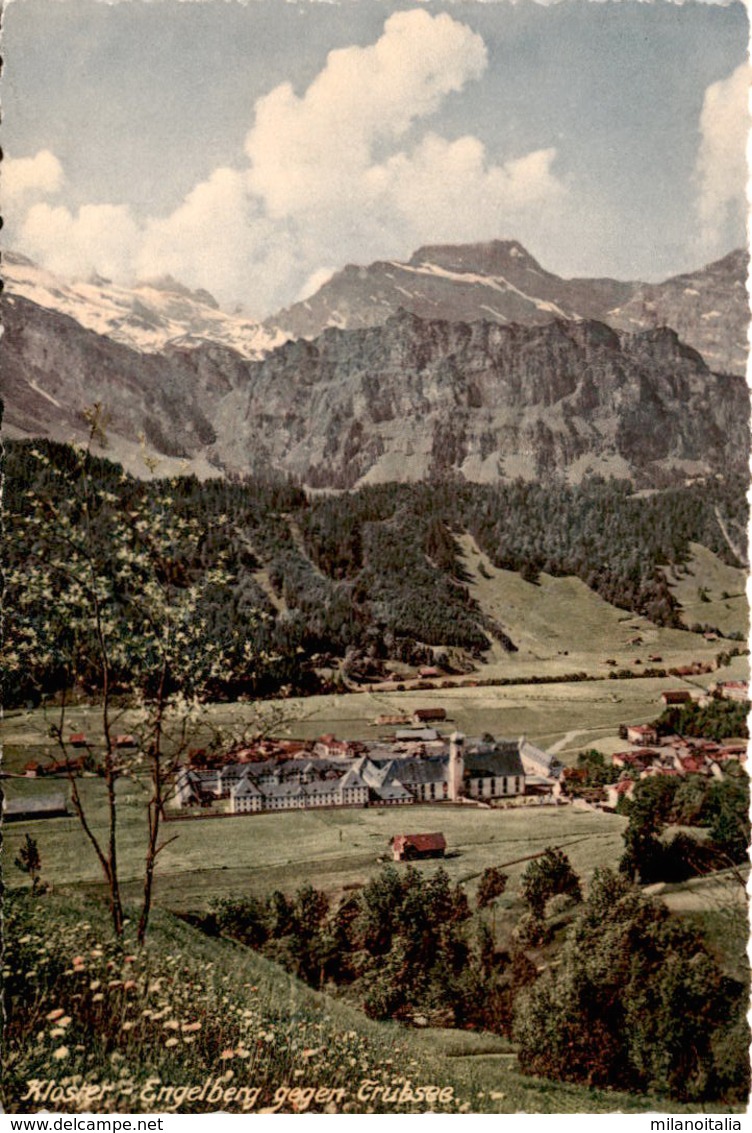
<point x="24" y="178"/>
<point x="721" y="170"/>
<point x="310" y="149"/>
<point x="97" y="238"/>
<point x="349" y="170"/>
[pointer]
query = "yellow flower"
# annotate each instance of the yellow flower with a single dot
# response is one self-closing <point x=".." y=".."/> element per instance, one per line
<point x="171" y="1042"/>
<point x="61" y="1053"/>
<point x="56" y="1014"/>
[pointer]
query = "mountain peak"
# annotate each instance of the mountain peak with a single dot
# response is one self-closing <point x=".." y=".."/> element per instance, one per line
<point x="492" y="257"/>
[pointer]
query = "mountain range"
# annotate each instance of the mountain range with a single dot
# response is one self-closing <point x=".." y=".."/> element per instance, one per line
<point x="469" y="359"/>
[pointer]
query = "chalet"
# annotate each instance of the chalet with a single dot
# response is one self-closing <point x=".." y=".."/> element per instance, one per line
<point x="31" y="809"/>
<point x="77" y="739"/>
<point x="426" y="715"/>
<point x="126" y="741"/>
<point x="674" y="696"/>
<point x="412" y="847"/>
<point x="429" y="671"/>
<point x="641" y="734"/>
<point x="395" y="721"/>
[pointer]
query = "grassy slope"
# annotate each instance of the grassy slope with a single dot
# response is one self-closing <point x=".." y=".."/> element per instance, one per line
<point x="314" y="1033"/>
<point x="559" y="625"/>
<point x="705" y="569"/>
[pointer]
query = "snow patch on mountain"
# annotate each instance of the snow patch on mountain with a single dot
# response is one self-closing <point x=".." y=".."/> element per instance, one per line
<point x="146" y="317"/>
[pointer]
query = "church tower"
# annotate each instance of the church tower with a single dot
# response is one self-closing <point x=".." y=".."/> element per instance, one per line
<point x="456" y="766"/>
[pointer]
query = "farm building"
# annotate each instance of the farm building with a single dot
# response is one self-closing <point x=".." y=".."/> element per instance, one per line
<point x="674" y="696"/>
<point x="28" y="810"/>
<point x="428" y="715"/>
<point x="412" y="847"/>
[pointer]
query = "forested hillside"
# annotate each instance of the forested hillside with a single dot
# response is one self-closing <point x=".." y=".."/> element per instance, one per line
<point x="377" y="570"/>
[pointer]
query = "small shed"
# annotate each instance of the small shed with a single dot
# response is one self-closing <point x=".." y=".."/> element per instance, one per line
<point x="411" y="847"/>
<point x="30" y="809"/>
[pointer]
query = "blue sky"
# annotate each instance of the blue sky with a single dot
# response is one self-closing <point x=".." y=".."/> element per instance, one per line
<point x="252" y="148"/>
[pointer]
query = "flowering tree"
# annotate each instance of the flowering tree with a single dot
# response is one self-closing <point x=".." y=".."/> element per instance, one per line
<point x="111" y="600"/>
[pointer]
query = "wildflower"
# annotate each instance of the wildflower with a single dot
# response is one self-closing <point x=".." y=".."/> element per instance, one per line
<point x="61" y="1053"/>
<point x="191" y="1026"/>
<point x="171" y="1042"/>
<point x="128" y="985"/>
<point x="227" y="1054"/>
<point x="128" y="1025"/>
<point x="95" y="984"/>
<point x="97" y="998"/>
<point x="56" y="1014"/>
<point x="129" y="959"/>
<point x="57" y="1032"/>
<point x="65" y="1021"/>
<point x="171" y="1025"/>
<point x="189" y="1039"/>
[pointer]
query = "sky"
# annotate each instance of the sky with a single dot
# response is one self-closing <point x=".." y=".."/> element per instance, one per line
<point x="253" y="147"/>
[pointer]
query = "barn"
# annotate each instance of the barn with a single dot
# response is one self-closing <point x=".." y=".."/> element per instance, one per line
<point x="412" y="847"/>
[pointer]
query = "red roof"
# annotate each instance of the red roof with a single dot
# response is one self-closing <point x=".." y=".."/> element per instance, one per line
<point x="421" y="842"/>
<point x="77" y="738"/>
<point x="430" y="713"/>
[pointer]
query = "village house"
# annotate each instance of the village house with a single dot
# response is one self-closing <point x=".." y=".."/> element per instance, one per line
<point x="641" y="734"/>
